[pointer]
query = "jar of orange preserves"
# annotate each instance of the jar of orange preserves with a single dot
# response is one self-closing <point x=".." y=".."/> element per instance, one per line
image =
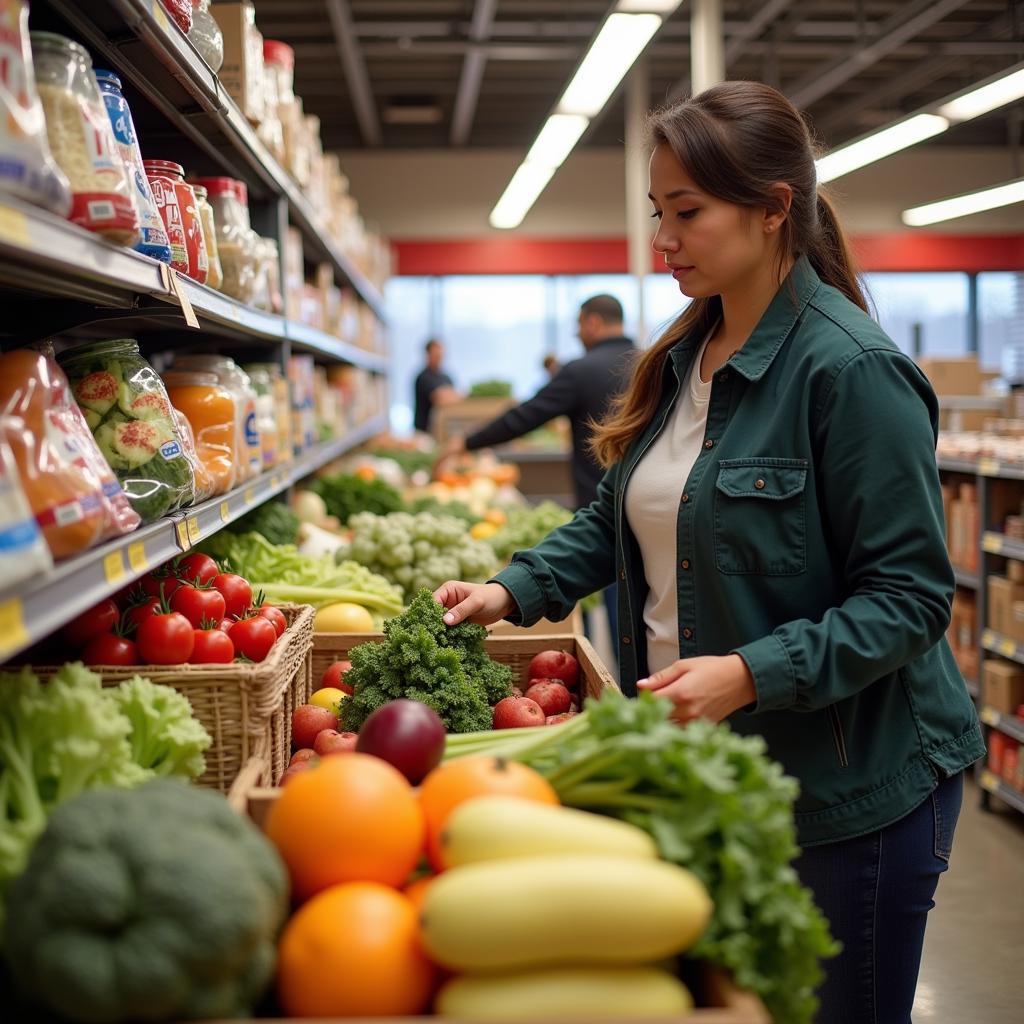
<point x="210" y="410"/>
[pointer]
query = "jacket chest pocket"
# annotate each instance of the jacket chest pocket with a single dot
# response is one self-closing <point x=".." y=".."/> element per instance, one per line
<point x="761" y="517"/>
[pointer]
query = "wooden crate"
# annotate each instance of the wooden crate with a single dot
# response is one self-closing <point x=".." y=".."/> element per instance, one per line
<point x="514" y="651"/>
<point x="467" y="415"/>
<point x="573" y="624"/>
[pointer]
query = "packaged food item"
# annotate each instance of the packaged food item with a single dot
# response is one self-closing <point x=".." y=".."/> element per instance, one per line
<point x="249" y="460"/>
<point x="180" y="12"/>
<point x="234" y="244"/>
<point x="27" y="168"/>
<point x="205" y="34"/>
<point x="271" y="131"/>
<point x="271" y="255"/>
<point x="280" y="59"/>
<point x="266" y="411"/>
<point x="210" y="411"/>
<point x="204" y="482"/>
<point x="161" y="181"/>
<point x="262" y="375"/>
<point x="82" y="139"/>
<point x="66" y="498"/>
<point x="188" y="210"/>
<point x="127" y="409"/>
<point x="301" y="384"/>
<point x="23" y="551"/>
<point x="215" y="277"/>
<point x="241" y="74"/>
<point x="154" y="241"/>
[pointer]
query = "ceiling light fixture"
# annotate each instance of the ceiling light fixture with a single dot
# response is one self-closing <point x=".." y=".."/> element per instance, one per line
<point x="520" y="194"/>
<point x="991" y="95"/>
<point x="558" y="136"/>
<point x="879" y="145"/>
<point x="962" y="206"/>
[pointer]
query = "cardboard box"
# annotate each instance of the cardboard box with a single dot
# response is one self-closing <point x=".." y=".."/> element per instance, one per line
<point x="1002" y="593"/>
<point x="1016" y="623"/>
<point x="953" y="376"/>
<point x="1015" y="570"/>
<point x="1002" y="686"/>
<point x="242" y="73"/>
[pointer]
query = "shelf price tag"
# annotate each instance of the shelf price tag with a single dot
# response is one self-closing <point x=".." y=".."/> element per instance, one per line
<point x="13" y="226"/>
<point x="192" y="528"/>
<point x="13" y="633"/>
<point x="988" y="639"/>
<point x="992" y="543"/>
<point x="250" y="496"/>
<point x="988" y="467"/>
<point x="161" y="16"/>
<point x="181" y="532"/>
<point x="179" y="292"/>
<point x="225" y="512"/>
<point x="989" y="716"/>
<point x="113" y="567"/>
<point x="1007" y="648"/>
<point x="275" y="481"/>
<point x="137" y="557"/>
<point x="989" y="781"/>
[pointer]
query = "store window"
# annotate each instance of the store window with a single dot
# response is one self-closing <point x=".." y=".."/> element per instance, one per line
<point x="410" y="323"/>
<point x="996" y="304"/>
<point x="933" y="305"/>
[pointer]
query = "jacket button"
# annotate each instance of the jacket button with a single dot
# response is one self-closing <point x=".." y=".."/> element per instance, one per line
<point x="687" y="634"/>
<point x="708" y="445"/>
<point x="685" y="498"/>
<point x="627" y="640"/>
<point x="759" y="484"/>
<point x="685" y="563"/>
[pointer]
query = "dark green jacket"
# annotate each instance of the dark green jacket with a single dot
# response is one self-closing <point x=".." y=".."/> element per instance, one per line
<point x="811" y="543"/>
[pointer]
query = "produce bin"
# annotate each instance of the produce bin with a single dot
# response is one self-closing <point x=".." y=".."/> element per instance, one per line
<point x="246" y="708"/>
<point x="514" y="651"/>
<point x="546" y="627"/>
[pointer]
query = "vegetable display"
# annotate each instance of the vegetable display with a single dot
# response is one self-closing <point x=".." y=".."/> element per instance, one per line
<point x="273" y="519"/>
<point x="526" y="527"/>
<point x="422" y="659"/>
<point x="714" y="802"/>
<point x="345" y="494"/>
<point x="491" y="389"/>
<point x="418" y="551"/>
<point x="158" y="904"/>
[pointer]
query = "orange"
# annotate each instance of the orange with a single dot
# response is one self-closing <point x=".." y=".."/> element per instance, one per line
<point x="416" y="891"/>
<point x="354" y="951"/>
<point x="460" y="780"/>
<point x="350" y="819"/>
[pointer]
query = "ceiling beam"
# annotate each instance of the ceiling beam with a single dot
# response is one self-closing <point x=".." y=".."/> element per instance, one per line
<point x="894" y="32"/>
<point x="472" y="74"/>
<point x="354" y="67"/>
<point x="464" y="48"/>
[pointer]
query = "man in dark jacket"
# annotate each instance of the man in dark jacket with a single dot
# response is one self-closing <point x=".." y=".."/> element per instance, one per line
<point x="432" y="387"/>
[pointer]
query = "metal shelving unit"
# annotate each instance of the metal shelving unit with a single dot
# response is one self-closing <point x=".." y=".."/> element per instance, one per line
<point x="34" y="612"/>
<point x="1009" y="724"/>
<point x="991" y="783"/>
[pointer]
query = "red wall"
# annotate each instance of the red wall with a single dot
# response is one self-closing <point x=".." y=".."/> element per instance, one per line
<point x="907" y="251"/>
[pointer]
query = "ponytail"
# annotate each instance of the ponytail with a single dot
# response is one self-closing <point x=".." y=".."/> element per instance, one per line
<point x="830" y="254"/>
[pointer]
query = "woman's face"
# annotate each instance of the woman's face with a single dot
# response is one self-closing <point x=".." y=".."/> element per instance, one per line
<point x="710" y="246"/>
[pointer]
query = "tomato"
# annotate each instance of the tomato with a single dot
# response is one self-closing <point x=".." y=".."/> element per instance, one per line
<point x="160" y="581"/>
<point x="335" y="677"/>
<point x="135" y="615"/>
<point x="91" y="624"/>
<point x="198" y="604"/>
<point x="196" y="566"/>
<point x="110" y="649"/>
<point x="225" y="624"/>
<point x="166" y="639"/>
<point x="253" y="638"/>
<point x="274" y="616"/>
<point x="212" y="647"/>
<point x="237" y="593"/>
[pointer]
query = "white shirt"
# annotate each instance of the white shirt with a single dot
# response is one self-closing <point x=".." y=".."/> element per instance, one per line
<point x="652" y="510"/>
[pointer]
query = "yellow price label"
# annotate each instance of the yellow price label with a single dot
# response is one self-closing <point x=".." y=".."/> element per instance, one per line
<point x="13" y="226"/>
<point x="250" y="496"/>
<point x="1007" y="648"/>
<point x="989" y="781"/>
<point x="225" y="512"/>
<point x="275" y="481"/>
<point x="13" y="633"/>
<point x="988" y="638"/>
<point x="992" y="543"/>
<point x="137" y="557"/>
<point x="192" y="526"/>
<point x="181" y="532"/>
<point x="989" y="716"/>
<point x="161" y="16"/>
<point x="988" y="467"/>
<point x="113" y="567"/>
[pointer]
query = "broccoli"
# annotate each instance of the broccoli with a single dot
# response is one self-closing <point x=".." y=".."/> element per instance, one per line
<point x="422" y="659"/>
<point x="154" y="904"/>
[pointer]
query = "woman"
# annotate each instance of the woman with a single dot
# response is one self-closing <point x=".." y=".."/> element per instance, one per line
<point x="772" y="514"/>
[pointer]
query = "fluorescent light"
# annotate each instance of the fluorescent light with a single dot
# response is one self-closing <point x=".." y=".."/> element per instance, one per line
<point x="981" y="100"/>
<point x="520" y="194"/>
<point x="963" y="206"/>
<point x="879" y="145"/>
<point x="614" y="51"/>
<point x="558" y="136"/>
<point x="662" y="7"/>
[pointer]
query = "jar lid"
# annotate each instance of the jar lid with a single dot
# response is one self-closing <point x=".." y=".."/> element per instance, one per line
<point x="53" y="41"/>
<point x="242" y="192"/>
<point x="105" y="77"/>
<point x="216" y="186"/>
<point x="200" y="192"/>
<point x="277" y="52"/>
<point x="163" y="167"/>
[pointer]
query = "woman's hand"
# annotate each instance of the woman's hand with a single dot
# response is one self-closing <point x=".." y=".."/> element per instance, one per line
<point x="704" y="687"/>
<point x="482" y="603"/>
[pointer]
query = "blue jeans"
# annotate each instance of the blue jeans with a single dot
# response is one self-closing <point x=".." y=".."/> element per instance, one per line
<point x="876" y="890"/>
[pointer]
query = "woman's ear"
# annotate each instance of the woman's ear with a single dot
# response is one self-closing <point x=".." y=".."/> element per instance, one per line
<point x="773" y="218"/>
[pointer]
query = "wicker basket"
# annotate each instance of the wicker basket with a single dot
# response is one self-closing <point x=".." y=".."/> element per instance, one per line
<point x="514" y="651"/>
<point x="247" y="709"/>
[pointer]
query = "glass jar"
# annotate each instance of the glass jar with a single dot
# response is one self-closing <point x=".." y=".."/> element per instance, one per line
<point x="161" y="177"/>
<point x="154" y="242"/>
<point x="234" y="245"/>
<point x="281" y="394"/>
<point x="272" y="264"/>
<point x="127" y="408"/>
<point x="210" y="410"/>
<point x="191" y="222"/>
<point x="82" y="139"/>
<point x="266" y="412"/>
<point x="279" y="58"/>
<point x="205" y="35"/>
<point x="180" y="12"/>
<point x="215" y="277"/>
<point x="231" y="376"/>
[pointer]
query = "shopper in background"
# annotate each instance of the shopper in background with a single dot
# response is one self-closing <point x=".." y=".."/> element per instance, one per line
<point x="772" y="510"/>
<point x="432" y="388"/>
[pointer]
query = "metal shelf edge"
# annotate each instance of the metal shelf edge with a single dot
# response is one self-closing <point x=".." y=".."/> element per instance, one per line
<point x="995" y="785"/>
<point x="996" y="643"/>
<point x="1008" y="724"/>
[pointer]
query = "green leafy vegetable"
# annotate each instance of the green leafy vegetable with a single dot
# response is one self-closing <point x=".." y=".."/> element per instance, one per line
<point x="273" y="519"/>
<point x="345" y="494"/>
<point x="527" y="526"/>
<point x="420" y="658"/>
<point x="715" y="803"/>
<point x="491" y="389"/>
<point x="410" y="461"/>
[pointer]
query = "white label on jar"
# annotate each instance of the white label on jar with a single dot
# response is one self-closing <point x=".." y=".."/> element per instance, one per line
<point x="99" y="140"/>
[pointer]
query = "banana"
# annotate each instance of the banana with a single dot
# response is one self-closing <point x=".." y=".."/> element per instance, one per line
<point x="505" y="828"/>
<point x="562" y="909"/>
<point x="577" y="993"/>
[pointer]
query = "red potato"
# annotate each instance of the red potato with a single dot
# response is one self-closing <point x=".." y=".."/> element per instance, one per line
<point x="91" y="625"/>
<point x="517" y="713"/>
<point x="553" y="697"/>
<point x="334" y="677"/>
<point x="330" y="741"/>
<point x="296" y="769"/>
<point x="302" y="755"/>
<point x="308" y="721"/>
<point x="559" y="719"/>
<point x="558" y="665"/>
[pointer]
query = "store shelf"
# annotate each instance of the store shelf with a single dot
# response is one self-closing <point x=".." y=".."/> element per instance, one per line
<point x="999" y="544"/>
<point x="139" y="40"/>
<point x="996" y="643"/>
<point x="970" y="580"/>
<point x="983" y="467"/>
<point x="958" y="466"/>
<point x="993" y="784"/>
<point x="78" y="583"/>
<point x="1011" y="725"/>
